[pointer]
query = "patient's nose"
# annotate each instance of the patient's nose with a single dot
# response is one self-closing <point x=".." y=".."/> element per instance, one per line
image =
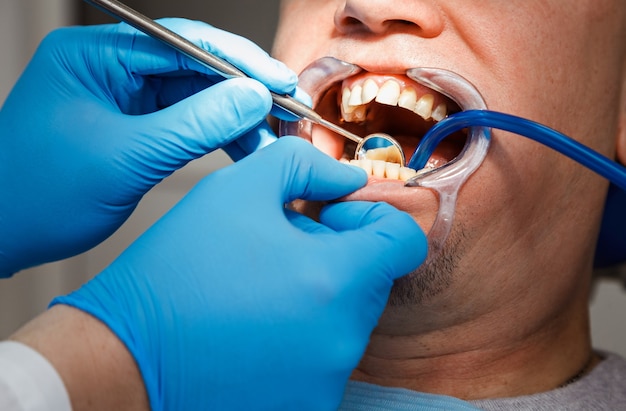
<point x="421" y="17"/>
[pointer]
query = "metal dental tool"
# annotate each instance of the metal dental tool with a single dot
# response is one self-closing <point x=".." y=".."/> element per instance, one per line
<point x="227" y="70"/>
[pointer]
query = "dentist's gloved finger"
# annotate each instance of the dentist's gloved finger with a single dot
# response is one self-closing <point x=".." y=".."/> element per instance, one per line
<point x="371" y="230"/>
<point x="235" y="152"/>
<point x="306" y="224"/>
<point x="255" y="139"/>
<point x="205" y="121"/>
<point x="152" y="57"/>
<point x="174" y="88"/>
<point x="300" y="171"/>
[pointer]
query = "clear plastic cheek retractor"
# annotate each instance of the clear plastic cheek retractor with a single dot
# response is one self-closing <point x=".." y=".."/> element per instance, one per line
<point x="227" y="70"/>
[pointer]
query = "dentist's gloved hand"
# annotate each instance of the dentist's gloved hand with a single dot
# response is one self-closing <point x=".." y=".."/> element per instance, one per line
<point x="231" y="301"/>
<point x="101" y="114"/>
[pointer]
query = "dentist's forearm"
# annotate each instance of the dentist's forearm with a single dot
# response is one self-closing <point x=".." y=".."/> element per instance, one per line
<point x="98" y="371"/>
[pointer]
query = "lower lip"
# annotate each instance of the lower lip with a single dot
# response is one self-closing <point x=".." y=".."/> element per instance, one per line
<point x="377" y="189"/>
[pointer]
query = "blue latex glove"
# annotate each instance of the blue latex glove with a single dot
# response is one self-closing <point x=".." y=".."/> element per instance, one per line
<point x="101" y="114"/>
<point x="233" y="302"/>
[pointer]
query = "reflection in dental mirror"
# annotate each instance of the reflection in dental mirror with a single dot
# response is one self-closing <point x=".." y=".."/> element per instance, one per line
<point x="377" y="146"/>
<point x="380" y="146"/>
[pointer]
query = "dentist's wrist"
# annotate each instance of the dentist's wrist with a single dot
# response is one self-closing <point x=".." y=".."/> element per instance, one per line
<point x="98" y="371"/>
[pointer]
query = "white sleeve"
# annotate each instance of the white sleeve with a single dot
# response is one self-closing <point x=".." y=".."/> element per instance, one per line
<point x="28" y="382"/>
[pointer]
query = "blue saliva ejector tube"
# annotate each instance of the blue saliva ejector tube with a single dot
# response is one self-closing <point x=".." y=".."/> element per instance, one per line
<point x="611" y="248"/>
<point x="547" y="136"/>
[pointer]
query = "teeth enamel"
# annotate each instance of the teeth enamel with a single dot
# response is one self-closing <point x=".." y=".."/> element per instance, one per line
<point x="345" y="98"/>
<point x="355" y="96"/>
<point x="370" y="91"/>
<point x="389" y="154"/>
<point x="406" y="173"/>
<point x="392" y="170"/>
<point x="359" y="114"/>
<point x="389" y="93"/>
<point x="424" y="106"/>
<point x="377" y="154"/>
<point x="378" y="168"/>
<point x="382" y="169"/>
<point x="408" y="99"/>
<point x="393" y="155"/>
<point x="366" y="165"/>
<point x="440" y="112"/>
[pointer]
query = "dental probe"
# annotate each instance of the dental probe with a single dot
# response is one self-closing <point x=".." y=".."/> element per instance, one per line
<point x="227" y="70"/>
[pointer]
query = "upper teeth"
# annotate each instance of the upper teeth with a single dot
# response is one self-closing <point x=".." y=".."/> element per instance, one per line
<point x="354" y="100"/>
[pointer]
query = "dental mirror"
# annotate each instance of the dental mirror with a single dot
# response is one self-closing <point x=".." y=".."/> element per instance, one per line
<point x="380" y="146"/>
<point x="375" y="146"/>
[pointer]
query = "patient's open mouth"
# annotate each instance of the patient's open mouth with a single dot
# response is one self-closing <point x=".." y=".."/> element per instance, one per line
<point x="368" y="103"/>
<point x="405" y="106"/>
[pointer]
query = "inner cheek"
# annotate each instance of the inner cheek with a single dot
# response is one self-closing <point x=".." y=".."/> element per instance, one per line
<point x="330" y="143"/>
<point x="326" y="141"/>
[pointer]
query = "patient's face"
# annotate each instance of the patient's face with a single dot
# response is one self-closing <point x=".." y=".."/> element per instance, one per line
<point x="526" y="220"/>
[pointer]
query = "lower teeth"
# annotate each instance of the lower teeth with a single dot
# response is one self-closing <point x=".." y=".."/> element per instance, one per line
<point x="383" y="169"/>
